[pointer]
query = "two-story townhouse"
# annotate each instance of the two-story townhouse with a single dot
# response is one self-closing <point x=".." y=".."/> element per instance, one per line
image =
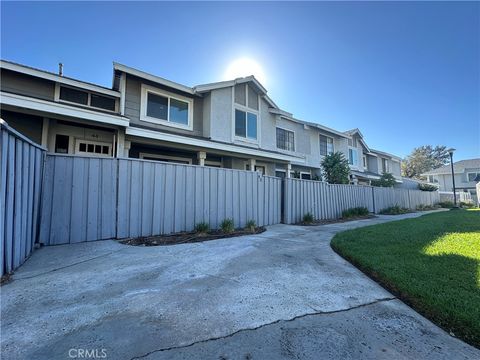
<point x="231" y="124"/>
<point x="64" y="115"/>
<point x="467" y="175"/>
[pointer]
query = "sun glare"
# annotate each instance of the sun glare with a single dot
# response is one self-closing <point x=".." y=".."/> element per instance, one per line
<point x="245" y="67"/>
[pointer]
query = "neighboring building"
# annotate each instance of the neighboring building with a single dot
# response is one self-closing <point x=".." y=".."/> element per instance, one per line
<point x="231" y="124"/>
<point x="467" y="175"/>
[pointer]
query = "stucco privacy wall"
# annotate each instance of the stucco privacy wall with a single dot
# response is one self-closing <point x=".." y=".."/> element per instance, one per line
<point x="87" y="199"/>
<point x="21" y="163"/>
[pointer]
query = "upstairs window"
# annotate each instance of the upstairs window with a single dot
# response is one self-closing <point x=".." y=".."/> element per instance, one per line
<point x="365" y="164"/>
<point x="353" y="157"/>
<point x="326" y="145"/>
<point x="472" y="176"/>
<point x="245" y="124"/>
<point x="285" y="139"/>
<point x="246" y="96"/>
<point x="385" y="167"/>
<point x="352" y="142"/>
<point x="86" y="98"/>
<point x="165" y="108"/>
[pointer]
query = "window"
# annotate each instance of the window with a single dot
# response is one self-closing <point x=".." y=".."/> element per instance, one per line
<point x="165" y="108"/>
<point x="86" y="98"/>
<point x="305" y="176"/>
<point x="165" y="158"/>
<point x="61" y="144"/>
<point x="281" y="174"/>
<point x="102" y="102"/>
<point x="245" y="124"/>
<point x="92" y="148"/>
<point x="365" y="164"/>
<point x="353" y="157"/>
<point x="385" y="167"/>
<point x="73" y="95"/>
<point x="326" y="145"/>
<point x="352" y="142"/>
<point x="472" y="176"/>
<point x="285" y="139"/>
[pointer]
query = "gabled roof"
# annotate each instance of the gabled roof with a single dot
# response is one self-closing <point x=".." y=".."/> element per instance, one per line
<point x="221" y="84"/>
<point x="153" y="78"/>
<point x="386" y="154"/>
<point x="315" y="125"/>
<point x="47" y="75"/>
<point x="458" y="167"/>
<point x="357" y="131"/>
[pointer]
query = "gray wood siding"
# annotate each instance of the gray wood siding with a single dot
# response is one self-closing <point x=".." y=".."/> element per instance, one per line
<point x="27" y="85"/>
<point x="21" y="164"/>
<point x="133" y="104"/>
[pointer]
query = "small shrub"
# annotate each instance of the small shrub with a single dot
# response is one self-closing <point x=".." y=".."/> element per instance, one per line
<point x="308" y="218"/>
<point x="251" y="225"/>
<point x="423" y="207"/>
<point x="227" y="226"/>
<point x="202" y="228"/>
<point x="394" y="210"/>
<point x="355" y="212"/>
<point x="427" y="187"/>
<point x="446" y="204"/>
<point x="467" y="205"/>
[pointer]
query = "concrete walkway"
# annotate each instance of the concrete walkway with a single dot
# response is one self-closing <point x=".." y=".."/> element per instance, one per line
<point x="283" y="294"/>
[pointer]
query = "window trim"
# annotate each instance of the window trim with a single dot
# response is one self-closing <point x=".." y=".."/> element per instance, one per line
<point x="77" y="151"/>
<point x="246" y="111"/>
<point x="387" y="165"/>
<point x="320" y="147"/>
<point x="472" y="172"/>
<point x="309" y="173"/>
<point x="245" y="108"/>
<point x="89" y="97"/>
<point x="294" y="139"/>
<point x="169" y="157"/>
<point x="146" y="89"/>
<point x="365" y="162"/>
<point x="355" y="150"/>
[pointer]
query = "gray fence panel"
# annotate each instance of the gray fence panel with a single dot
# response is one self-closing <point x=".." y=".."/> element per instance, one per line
<point x="21" y="163"/>
<point x="328" y="201"/>
<point x="78" y="199"/>
<point x="160" y="198"/>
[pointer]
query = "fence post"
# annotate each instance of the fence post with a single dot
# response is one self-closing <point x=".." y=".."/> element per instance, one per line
<point x="373" y="200"/>
<point x="409" y="200"/>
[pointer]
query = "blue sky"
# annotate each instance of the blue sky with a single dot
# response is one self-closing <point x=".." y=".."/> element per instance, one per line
<point x="406" y="74"/>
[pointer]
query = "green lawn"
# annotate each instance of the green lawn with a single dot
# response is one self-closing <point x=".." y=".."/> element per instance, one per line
<point x="431" y="262"/>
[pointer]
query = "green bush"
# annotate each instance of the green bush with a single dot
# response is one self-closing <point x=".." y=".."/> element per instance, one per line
<point x="335" y="168"/>
<point x="427" y="187"/>
<point x="227" y="226"/>
<point x="423" y="207"/>
<point x="446" y="204"/>
<point x="467" y="205"/>
<point x="308" y="218"/>
<point x="387" y="180"/>
<point x="354" y="212"/>
<point x="251" y="225"/>
<point x="202" y="227"/>
<point x="394" y="210"/>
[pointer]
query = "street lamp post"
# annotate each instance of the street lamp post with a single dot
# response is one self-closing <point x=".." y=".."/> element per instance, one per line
<point x="450" y="151"/>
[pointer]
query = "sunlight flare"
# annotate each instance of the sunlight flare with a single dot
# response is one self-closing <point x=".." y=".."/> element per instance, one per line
<point x="245" y="67"/>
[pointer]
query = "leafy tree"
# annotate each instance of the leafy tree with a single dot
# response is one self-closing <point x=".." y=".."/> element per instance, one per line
<point x="386" y="180"/>
<point x="423" y="159"/>
<point x="335" y="168"/>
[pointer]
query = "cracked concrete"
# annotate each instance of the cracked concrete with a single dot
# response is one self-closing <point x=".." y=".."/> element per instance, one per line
<point x="280" y="294"/>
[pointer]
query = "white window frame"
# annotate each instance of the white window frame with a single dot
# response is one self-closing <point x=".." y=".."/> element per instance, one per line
<point x="294" y="139"/>
<point x="305" y="173"/>
<point x="387" y="165"/>
<point x="365" y="162"/>
<point x="355" y="150"/>
<point x="245" y="108"/>
<point x="89" y="97"/>
<point x="146" y="89"/>
<point x="472" y="172"/>
<point x="92" y="142"/>
<point x="320" y="147"/>
<point x="169" y="157"/>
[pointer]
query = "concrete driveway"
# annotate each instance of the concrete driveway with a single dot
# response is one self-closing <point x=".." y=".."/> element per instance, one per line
<point x="280" y="294"/>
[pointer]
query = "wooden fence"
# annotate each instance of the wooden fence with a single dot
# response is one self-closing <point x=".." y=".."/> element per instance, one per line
<point x="327" y="201"/>
<point x="21" y="164"/>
